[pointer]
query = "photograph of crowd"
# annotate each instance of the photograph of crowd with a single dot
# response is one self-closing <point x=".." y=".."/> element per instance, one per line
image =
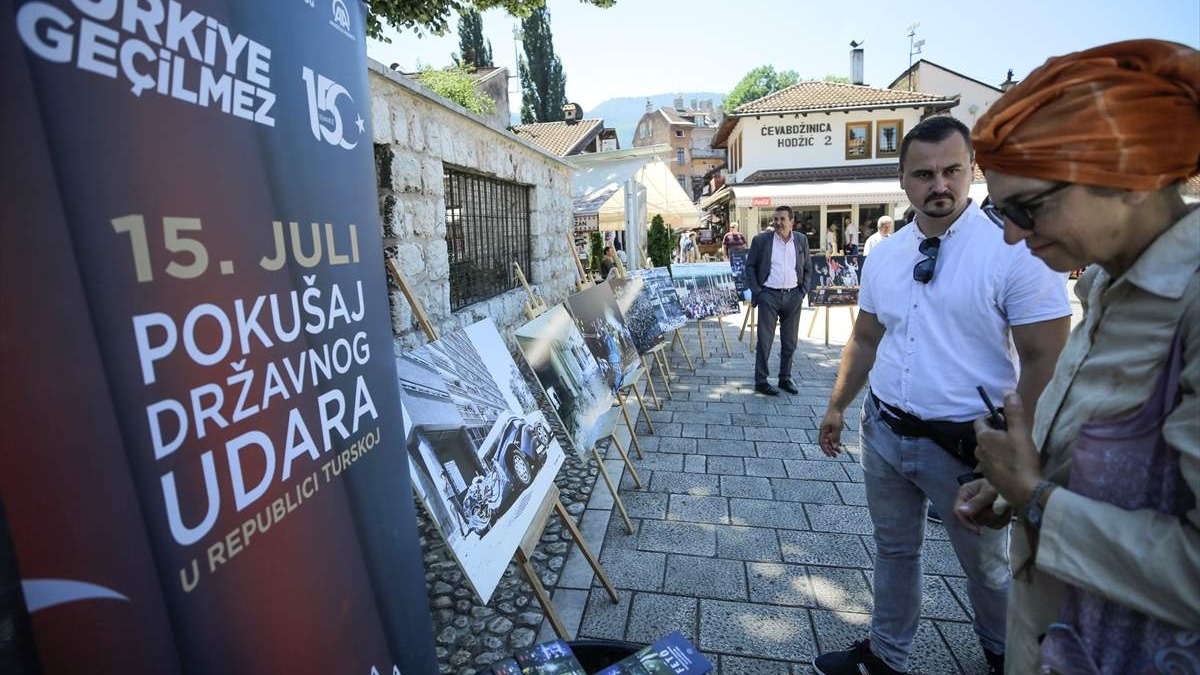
<point x="705" y="289"/>
<point x="481" y="453"/>
<point x="637" y="306"/>
<point x="661" y="291"/>
<point x="834" y="280"/>
<point x="568" y="373"/>
<point x="599" y="320"/>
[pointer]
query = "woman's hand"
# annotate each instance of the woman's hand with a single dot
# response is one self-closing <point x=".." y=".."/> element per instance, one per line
<point x="1009" y="459"/>
<point x="973" y="507"/>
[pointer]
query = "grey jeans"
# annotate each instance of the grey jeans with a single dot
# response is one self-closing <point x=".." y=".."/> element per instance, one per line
<point x="900" y="473"/>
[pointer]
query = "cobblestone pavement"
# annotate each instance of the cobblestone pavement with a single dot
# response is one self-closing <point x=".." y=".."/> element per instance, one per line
<point x="746" y="538"/>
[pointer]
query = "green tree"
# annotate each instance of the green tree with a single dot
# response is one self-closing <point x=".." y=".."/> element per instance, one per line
<point x="658" y="243"/>
<point x="595" y="251"/>
<point x="433" y="16"/>
<point x="837" y="79"/>
<point x="458" y="85"/>
<point x="543" y="85"/>
<point x="758" y="83"/>
<point x="473" y="50"/>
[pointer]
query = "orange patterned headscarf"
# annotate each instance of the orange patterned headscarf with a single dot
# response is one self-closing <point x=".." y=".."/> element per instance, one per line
<point x="1124" y="115"/>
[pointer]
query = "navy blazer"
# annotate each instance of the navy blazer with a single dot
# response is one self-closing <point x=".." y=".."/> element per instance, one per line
<point x="758" y="262"/>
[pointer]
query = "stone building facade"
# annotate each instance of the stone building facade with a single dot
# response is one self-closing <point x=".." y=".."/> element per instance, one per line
<point x="689" y="132"/>
<point x="418" y="136"/>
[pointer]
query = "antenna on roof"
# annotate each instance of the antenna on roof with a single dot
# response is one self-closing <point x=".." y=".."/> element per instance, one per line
<point x="914" y="48"/>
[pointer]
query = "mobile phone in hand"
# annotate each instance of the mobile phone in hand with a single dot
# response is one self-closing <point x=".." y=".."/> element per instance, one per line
<point x="995" y="417"/>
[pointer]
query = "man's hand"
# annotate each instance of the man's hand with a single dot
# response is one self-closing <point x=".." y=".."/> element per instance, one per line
<point x="1008" y="458"/>
<point x="831" y="432"/>
<point x="973" y="506"/>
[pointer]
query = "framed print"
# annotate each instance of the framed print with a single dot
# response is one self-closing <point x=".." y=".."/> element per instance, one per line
<point x="887" y="138"/>
<point x="858" y="140"/>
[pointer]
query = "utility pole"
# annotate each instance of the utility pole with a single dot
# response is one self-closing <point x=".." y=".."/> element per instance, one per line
<point x="914" y="48"/>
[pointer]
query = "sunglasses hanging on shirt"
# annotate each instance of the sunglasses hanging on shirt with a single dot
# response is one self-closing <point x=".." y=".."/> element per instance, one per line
<point x="923" y="270"/>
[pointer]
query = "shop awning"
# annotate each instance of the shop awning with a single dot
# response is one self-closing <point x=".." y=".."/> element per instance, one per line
<point x="815" y="194"/>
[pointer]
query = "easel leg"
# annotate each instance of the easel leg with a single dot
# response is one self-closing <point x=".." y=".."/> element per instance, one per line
<point x="585" y="549"/>
<point x="721" y="327"/>
<point x="642" y="403"/>
<point x="812" y="326"/>
<point x="629" y="423"/>
<point x="683" y="349"/>
<point x="700" y="330"/>
<point x="637" y="480"/>
<point x="543" y="598"/>
<point x="745" y="322"/>
<point x="650" y="383"/>
<point x="661" y="359"/>
<point x="828" y="311"/>
<point x="612" y="489"/>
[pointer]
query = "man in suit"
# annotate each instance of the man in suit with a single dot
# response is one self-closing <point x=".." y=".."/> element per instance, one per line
<point x="777" y="274"/>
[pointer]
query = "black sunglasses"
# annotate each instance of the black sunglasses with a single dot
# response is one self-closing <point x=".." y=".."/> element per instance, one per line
<point x="1021" y="213"/>
<point x="923" y="270"/>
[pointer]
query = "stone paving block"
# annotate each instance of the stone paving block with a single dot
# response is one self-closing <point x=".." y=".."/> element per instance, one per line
<point x="930" y="654"/>
<point x="726" y="448"/>
<point x="616" y="536"/>
<point x="636" y="570"/>
<point x="748" y="420"/>
<point x="809" y="491"/>
<point x="697" y="484"/>
<point x="643" y="505"/>
<point x="777" y="584"/>
<point x="843" y="590"/>
<point x="854" y="471"/>
<point x="668" y="430"/>
<point x="757" y="631"/>
<point x="724" y="407"/>
<point x="845" y="519"/>
<point x="570" y="605"/>
<point x="675" y="405"/>
<point x="815" y="470"/>
<point x="653" y="616"/>
<point x="770" y="468"/>
<point x="748" y="543"/>
<point x="852" y="494"/>
<point x="936" y="531"/>
<point x="701" y="418"/>
<point x="705" y="577"/>
<point x="796" y="436"/>
<point x="792" y="417"/>
<point x="727" y="466"/>
<point x="602" y="619"/>
<point x="696" y="431"/>
<point x="699" y="509"/>
<point x="777" y="450"/>
<point x="737" y="665"/>
<point x="836" y="631"/>
<point x="717" y="432"/>
<point x="656" y="461"/>
<point x="766" y="513"/>
<point x="751" y="487"/>
<point x="672" y="537"/>
<point x="766" y="433"/>
<point x="695" y="464"/>
<point x="756" y="404"/>
<point x="937" y="557"/>
<point x="958" y="586"/>
<point x="823" y="548"/>
<point x="964" y="645"/>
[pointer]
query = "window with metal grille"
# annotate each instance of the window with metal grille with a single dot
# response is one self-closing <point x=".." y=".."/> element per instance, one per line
<point x="487" y="228"/>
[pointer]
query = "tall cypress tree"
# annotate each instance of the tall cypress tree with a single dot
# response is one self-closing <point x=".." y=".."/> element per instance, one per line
<point x="473" y="51"/>
<point x="543" y="85"/>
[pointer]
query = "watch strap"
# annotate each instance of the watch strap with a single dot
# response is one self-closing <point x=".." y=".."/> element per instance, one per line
<point x="1033" y="510"/>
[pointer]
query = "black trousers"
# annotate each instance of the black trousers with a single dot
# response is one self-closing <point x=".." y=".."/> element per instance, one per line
<point x="780" y="308"/>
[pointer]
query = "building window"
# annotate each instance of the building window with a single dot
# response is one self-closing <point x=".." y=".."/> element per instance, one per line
<point x="858" y="140"/>
<point x="679" y="133"/>
<point x="487" y="228"/>
<point x="679" y="156"/>
<point x="683" y="182"/>
<point x="887" y="138"/>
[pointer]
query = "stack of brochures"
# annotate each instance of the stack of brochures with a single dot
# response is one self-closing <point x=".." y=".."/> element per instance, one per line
<point x="672" y="655"/>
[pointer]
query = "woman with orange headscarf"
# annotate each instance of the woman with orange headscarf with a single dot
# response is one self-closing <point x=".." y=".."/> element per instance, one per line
<point x="1084" y="162"/>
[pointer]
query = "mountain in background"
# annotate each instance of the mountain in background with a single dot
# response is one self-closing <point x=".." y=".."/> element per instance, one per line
<point x="623" y="113"/>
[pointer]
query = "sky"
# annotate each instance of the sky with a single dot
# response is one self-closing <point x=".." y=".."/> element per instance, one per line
<point x="646" y="47"/>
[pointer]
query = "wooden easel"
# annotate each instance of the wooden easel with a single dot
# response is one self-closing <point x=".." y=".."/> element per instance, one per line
<point x="583" y="282"/>
<point x="658" y="358"/>
<point x="676" y="340"/>
<point x="533" y="305"/>
<point x="817" y="310"/>
<point x="749" y="321"/>
<point x="551" y="502"/>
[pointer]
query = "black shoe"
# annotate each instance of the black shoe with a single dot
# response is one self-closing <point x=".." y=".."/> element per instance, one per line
<point x="858" y="660"/>
<point x="788" y="386"/>
<point x="764" y="388"/>
<point x="932" y="515"/>
<point x="995" y="662"/>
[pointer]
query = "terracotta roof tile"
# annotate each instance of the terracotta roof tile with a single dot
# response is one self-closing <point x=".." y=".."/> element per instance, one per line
<point x="819" y="96"/>
<point x="560" y="138"/>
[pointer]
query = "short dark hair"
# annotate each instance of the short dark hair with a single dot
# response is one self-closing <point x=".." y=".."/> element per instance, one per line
<point x="934" y="130"/>
<point x="791" y="216"/>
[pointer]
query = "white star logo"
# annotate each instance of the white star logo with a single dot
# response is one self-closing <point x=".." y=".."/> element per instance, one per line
<point x="359" y="123"/>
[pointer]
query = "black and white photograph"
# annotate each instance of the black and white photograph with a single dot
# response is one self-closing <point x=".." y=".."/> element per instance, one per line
<point x="737" y="265"/>
<point x="568" y="373"/>
<point x="661" y="291"/>
<point x="637" y="306"/>
<point x="705" y="289"/>
<point x="481" y="453"/>
<point x="834" y="280"/>
<point x="599" y="320"/>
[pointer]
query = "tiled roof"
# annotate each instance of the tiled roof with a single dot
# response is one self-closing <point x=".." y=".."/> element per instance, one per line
<point x="1192" y="186"/>
<point x="916" y="66"/>
<point x="560" y="138"/>
<point x="677" y="117"/>
<point x="821" y="174"/>
<point x="821" y="96"/>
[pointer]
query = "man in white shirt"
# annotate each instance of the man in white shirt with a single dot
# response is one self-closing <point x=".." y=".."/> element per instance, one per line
<point x="885" y="230"/>
<point x="945" y="306"/>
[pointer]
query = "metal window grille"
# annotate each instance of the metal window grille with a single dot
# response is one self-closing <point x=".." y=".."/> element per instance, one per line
<point x="487" y="228"/>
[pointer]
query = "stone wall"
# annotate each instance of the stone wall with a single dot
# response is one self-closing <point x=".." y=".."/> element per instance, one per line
<point x="416" y="134"/>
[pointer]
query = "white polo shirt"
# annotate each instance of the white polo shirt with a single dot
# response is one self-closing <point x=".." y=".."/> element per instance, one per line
<point x="945" y="337"/>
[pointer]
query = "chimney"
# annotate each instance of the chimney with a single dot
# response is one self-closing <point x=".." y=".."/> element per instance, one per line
<point x="693" y="104"/>
<point x="1008" y="83"/>
<point x="649" y="106"/>
<point x="856" y="63"/>
<point x="679" y="103"/>
<point x="572" y="113"/>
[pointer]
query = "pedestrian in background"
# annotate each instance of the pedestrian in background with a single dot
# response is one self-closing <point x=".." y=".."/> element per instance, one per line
<point x="777" y="274"/>
<point x="885" y="230"/>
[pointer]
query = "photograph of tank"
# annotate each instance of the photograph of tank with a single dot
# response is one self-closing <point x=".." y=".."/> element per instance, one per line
<point x="481" y="453"/>
<point x="599" y="320"/>
<point x="705" y="289"/>
<point x="660" y="289"/>
<point x="637" y="306"/>
<point x="568" y="373"/>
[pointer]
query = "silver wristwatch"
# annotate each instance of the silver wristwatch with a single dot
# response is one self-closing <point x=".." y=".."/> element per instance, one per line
<point x="1033" y="510"/>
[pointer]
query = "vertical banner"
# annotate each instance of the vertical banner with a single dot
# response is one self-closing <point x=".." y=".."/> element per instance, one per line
<point x="204" y="466"/>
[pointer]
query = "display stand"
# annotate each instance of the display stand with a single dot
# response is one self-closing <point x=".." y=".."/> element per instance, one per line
<point x="657" y="358"/>
<point x="750" y="322"/>
<point x="676" y="340"/>
<point x="534" y="305"/>
<point x="825" y="309"/>
<point x="622" y="394"/>
<point x="608" y="423"/>
<point x="551" y="503"/>
<point x="721" y="329"/>
<point x="582" y="283"/>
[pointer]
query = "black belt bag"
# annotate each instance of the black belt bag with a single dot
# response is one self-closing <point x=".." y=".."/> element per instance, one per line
<point x="956" y="438"/>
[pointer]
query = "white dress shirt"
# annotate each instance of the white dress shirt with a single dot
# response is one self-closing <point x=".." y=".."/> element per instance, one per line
<point x="872" y="242"/>
<point x="783" y="263"/>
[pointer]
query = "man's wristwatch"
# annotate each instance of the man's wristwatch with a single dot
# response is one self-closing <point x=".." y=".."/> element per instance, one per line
<point x="1033" y="510"/>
